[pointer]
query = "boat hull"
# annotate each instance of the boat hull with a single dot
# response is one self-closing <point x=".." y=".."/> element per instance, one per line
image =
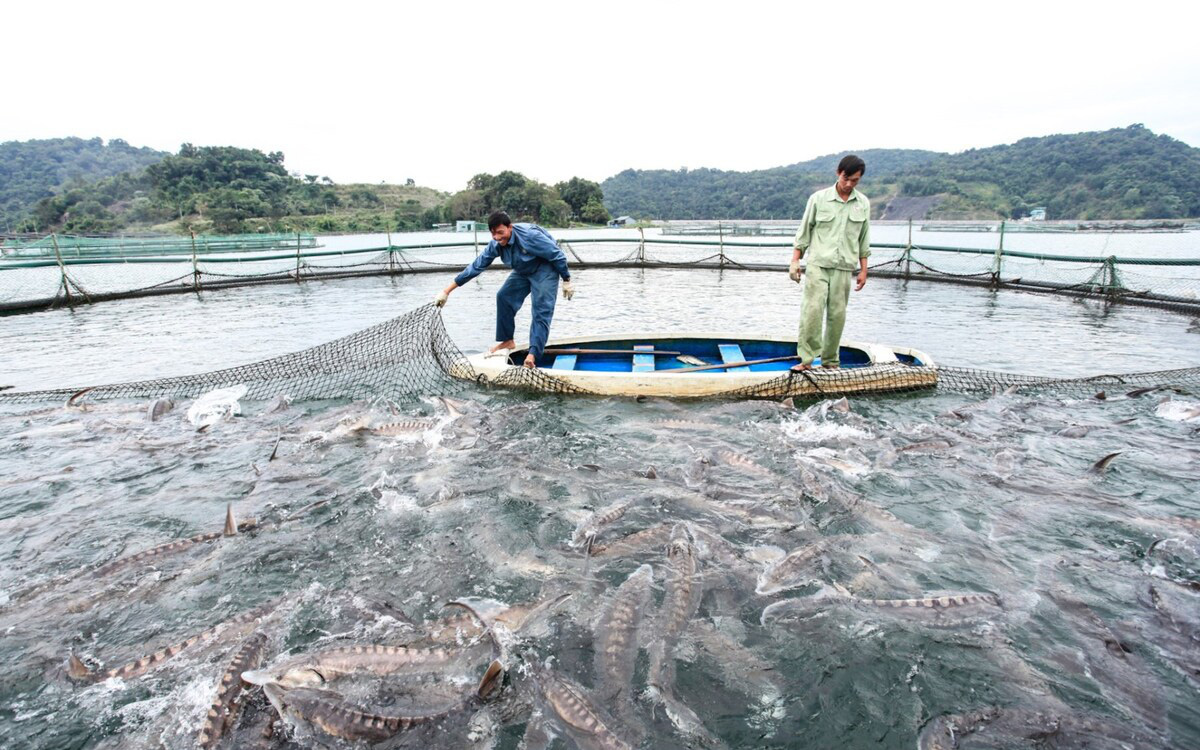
<point x="865" y="368"/>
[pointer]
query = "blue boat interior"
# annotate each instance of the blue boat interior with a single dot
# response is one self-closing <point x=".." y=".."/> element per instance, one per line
<point x="650" y="356"/>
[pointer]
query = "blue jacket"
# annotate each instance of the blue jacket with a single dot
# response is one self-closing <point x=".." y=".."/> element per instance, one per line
<point x="528" y="248"/>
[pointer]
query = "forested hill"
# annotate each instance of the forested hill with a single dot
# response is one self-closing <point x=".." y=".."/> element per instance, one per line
<point x="1124" y="173"/>
<point x="777" y="193"/>
<point x="32" y="170"/>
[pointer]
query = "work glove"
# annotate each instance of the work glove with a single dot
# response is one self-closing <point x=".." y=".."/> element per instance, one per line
<point x="795" y="271"/>
<point x="440" y="299"/>
<point x="568" y="290"/>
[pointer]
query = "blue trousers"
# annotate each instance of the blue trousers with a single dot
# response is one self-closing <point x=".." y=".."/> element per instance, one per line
<point x="543" y="284"/>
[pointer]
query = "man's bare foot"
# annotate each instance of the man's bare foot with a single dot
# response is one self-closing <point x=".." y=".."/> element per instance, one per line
<point x="530" y="362"/>
<point x="510" y="344"/>
<point x="801" y="367"/>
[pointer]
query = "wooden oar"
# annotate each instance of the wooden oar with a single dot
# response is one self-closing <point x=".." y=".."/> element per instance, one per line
<point x="728" y="365"/>
<point x="613" y="351"/>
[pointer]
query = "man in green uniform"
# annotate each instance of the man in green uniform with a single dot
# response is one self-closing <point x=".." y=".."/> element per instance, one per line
<point x="834" y="239"/>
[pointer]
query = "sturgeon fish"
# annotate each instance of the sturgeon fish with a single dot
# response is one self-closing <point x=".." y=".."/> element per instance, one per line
<point x="587" y="723"/>
<point x="227" y="705"/>
<point x="77" y="670"/>
<point x="742" y="463"/>
<point x="310" y="670"/>
<point x="232" y="528"/>
<point x="681" y="599"/>
<point x="403" y="427"/>
<point x="329" y="713"/>
<point x="796" y="569"/>
<point x="954" y="606"/>
<point x="638" y="541"/>
<point x="1001" y="727"/>
<point x="680" y="424"/>
<point x="163" y="550"/>
<point x="617" y="640"/>
<point x="593" y="524"/>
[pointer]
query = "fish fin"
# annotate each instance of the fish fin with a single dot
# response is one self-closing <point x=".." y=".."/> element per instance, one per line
<point x="1102" y="464"/>
<point x="256" y="677"/>
<point x="275" y="450"/>
<point x="231" y="527"/>
<point x="77" y="670"/>
<point x="841" y="589"/>
<point x="492" y="678"/>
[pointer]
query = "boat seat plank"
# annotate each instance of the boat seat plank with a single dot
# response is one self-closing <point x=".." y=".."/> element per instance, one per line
<point x="643" y="362"/>
<point x="731" y="353"/>
<point x="564" y="362"/>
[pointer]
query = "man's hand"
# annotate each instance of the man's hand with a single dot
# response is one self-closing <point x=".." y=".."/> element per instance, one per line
<point x="568" y="290"/>
<point x="862" y="280"/>
<point x="795" y="271"/>
<point x="440" y="299"/>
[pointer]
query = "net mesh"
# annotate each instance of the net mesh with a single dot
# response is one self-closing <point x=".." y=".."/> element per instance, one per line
<point x="412" y="355"/>
<point x="407" y="355"/>
<point x="28" y="284"/>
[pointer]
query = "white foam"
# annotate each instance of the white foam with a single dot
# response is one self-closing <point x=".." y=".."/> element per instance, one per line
<point x="809" y="432"/>
<point x="216" y="405"/>
<point x="1179" y="411"/>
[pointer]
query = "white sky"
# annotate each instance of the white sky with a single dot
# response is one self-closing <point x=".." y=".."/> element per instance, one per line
<point x="441" y="90"/>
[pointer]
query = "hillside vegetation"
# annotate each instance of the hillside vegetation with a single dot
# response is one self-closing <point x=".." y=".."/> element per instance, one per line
<point x="228" y="189"/>
<point x="777" y="193"/>
<point x="1124" y="173"/>
<point x="33" y="170"/>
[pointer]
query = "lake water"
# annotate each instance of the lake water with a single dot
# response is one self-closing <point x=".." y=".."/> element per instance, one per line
<point x="904" y="497"/>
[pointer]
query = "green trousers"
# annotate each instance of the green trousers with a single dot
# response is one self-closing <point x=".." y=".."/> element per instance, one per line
<point x="826" y="291"/>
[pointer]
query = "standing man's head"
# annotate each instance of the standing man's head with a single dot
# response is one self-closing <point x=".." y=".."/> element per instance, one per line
<point x="850" y="170"/>
<point x="500" y="226"/>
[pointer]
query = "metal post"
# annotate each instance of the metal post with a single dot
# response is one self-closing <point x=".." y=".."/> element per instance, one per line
<point x="642" y="246"/>
<point x="297" y="257"/>
<point x="999" y="264"/>
<point x="195" y="268"/>
<point x="475" y="229"/>
<point x="391" y="264"/>
<point x="62" y="267"/>
<point x="721" y="240"/>
<point x="908" y="250"/>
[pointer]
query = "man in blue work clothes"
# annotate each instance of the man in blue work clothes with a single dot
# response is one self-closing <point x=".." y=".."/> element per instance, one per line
<point x="537" y="265"/>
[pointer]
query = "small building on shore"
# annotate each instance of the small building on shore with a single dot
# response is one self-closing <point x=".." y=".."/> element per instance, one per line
<point x="622" y="221"/>
<point x="469" y="226"/>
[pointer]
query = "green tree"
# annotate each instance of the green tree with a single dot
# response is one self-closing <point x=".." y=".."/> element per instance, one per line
<point x="229" y="207"/>
<point x="594" y="212"/>
<point x="554" y="213"/>
<point x="578" y="192"/>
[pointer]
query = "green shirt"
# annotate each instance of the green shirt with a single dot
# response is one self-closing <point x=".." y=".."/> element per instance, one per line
<point x="835" y="233"/>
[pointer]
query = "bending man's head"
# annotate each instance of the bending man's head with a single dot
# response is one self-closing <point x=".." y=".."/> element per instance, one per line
<point x="850" y="170"/>
<point x="500" y="226"/>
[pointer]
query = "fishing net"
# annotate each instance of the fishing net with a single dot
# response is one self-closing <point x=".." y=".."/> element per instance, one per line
<point x="412" y="355"/>
<point x="408" y="355"/>
<point x="39" y="282"/>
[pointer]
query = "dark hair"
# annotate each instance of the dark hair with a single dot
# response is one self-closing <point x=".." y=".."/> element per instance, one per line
<point x="851" y="165"/>
<point x="498" y="219"/>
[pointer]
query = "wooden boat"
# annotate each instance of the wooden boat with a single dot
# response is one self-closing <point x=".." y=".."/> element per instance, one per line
<point x="695" y="365"/>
